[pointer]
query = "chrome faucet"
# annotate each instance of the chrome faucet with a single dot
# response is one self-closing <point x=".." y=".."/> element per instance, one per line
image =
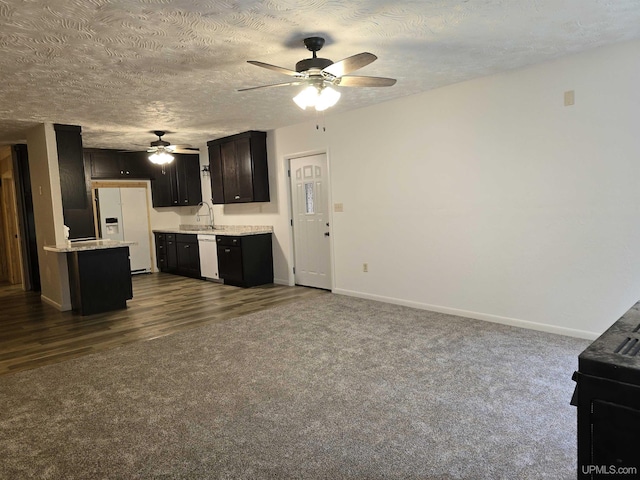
<point x="210" y="214"/>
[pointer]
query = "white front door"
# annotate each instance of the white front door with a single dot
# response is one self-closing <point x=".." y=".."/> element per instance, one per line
<point x="310" y="207"/>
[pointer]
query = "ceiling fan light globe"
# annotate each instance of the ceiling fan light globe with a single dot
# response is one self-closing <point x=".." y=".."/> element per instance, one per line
<point x="328" y="97"/>
<point x="161" y="158"/>
<point x="307" y="97"/>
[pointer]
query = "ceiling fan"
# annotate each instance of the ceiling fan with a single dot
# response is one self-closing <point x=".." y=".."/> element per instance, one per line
<point x="320" y="74"/>
<point x="161" y="150"/>
<point x="166" y="146"/>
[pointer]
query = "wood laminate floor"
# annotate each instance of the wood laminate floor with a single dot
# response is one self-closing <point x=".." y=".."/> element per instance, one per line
<point x="33" y="333"/>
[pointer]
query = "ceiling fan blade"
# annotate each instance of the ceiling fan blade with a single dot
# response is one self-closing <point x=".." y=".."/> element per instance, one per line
<point x="272" y="85"/>
<point x="350" y="64"/>
<point x="356" y="81"/>
<point x="185" y="149"/>
<point x="275" y="68"/>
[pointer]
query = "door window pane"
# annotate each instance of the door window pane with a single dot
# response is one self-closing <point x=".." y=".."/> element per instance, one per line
<point x="308" y="194"/>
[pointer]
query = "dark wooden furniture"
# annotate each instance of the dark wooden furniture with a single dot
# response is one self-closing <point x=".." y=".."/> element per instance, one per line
<point x="245" y="261"/>
<point x="75" y="185"/>
<point x="178" y="253"/>
<point x="188" y="255"/>
<point x="115" y="164"/>
<point x="179" y="185"/>
<point x="100" y="280"/>
<point x="608" y="399"/>
<point x="238" y="166"/>
<point x="166" y="253"/>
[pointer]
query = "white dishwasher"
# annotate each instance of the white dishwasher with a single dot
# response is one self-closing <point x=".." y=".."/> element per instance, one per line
<point x="208" y="256"/>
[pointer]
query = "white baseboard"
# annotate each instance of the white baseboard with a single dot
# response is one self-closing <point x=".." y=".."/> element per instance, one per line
<point x="280" y="281"/>
<point x="54" y="304"/>
<point x="514" y="322"/>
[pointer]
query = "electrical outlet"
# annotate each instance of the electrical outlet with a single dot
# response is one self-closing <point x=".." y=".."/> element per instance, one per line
<point x="365" y="267"/>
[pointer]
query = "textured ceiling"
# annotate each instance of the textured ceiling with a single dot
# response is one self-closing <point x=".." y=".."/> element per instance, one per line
<point x="120" y="68"/>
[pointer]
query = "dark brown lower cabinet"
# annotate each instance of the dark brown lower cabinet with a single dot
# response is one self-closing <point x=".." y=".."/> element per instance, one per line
<point x="178" y="253"/>
<point x="188" y="255"/>
<point x="245" y="261"/>
<point x="99" y="280"/>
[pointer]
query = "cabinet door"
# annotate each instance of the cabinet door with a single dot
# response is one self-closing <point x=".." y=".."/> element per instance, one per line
<point x="230" y="263"/>
<point x="172" y="253"/>
<point x="136" y="165"/>
<point x="215" y="172"/>
<point x="189" y="187"/>
<point x="104" y="164"/>
<point x="188" y="255"/>
<point x="237" y="171"/>
<point x="229" y="172"/>
<point x="163" y="187"/>
<point x="161" y="251"/>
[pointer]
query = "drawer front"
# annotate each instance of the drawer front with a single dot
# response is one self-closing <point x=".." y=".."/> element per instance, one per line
<point x="228" y="241"/>
<point x="186" y="238"/>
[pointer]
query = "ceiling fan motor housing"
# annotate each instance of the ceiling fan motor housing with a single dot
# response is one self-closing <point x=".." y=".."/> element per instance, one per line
<point x="309" y="63"/>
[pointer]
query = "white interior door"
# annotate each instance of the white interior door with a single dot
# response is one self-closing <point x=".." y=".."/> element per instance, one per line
<point x="310" y="207"/>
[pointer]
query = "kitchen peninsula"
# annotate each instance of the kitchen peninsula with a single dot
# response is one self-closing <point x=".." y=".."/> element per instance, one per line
<point x="99" y="274"/>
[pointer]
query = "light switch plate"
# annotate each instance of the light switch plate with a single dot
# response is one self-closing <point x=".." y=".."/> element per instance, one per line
<point x="569" y="98"/>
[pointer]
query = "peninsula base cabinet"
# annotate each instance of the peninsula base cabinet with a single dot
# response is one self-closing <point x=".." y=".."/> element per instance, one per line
<point x="99" y="280"/>
<point x="246" y="260"/>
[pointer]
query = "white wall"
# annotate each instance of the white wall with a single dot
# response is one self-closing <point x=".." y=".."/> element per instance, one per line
<point x="488" y="198"/>
<point x="47" y="210"/>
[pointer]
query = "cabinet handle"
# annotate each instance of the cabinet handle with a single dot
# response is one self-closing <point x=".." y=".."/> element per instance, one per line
<point x="186" y="201"/>
<point x="186" y="246"/>
<point x="227" y="250"/>
<point x="237" y="197"/>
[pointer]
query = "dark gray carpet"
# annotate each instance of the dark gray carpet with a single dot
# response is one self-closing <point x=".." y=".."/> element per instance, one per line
<point x="333" y="388"/>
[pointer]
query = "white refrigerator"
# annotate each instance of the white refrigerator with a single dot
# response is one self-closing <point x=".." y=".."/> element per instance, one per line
<point x="124" y="216"/>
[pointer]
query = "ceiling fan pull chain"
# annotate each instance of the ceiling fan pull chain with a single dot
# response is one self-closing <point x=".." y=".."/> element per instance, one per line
<point x="318" y="123"/>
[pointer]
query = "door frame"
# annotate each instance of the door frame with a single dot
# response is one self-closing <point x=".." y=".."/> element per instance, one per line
<point x="290" y="209"/>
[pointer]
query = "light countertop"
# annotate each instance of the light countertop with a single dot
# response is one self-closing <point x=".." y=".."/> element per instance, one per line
<point x="87" y="245"/>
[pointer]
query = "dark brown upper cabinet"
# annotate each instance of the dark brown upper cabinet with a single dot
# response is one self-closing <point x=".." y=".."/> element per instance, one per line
<point x="179" y="185"/>
<point x="115" y="164"/>
<point x="238" y="168"/>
